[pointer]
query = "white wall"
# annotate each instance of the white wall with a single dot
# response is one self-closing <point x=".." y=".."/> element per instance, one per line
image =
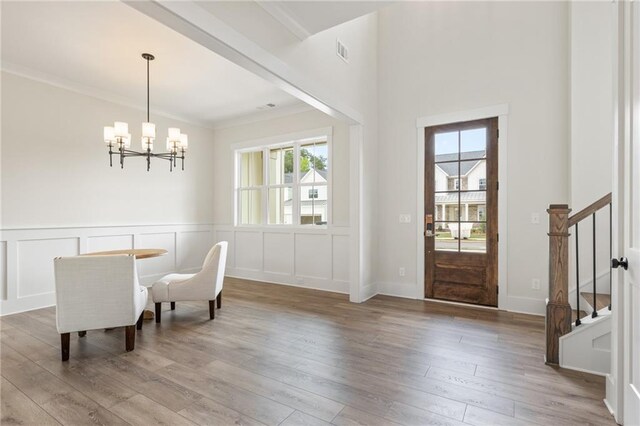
<point x="446" y="57"/>
<point x="591" y="133"/>
<point x="304" y="256"/>
<point x="55" y="167"/>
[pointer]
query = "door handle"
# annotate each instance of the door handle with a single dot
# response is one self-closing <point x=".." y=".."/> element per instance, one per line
<point x="428" y="224"/>
<point x="615" y="263"/>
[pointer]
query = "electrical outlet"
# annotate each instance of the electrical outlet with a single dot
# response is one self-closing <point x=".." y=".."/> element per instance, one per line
<point x="405" y="218"/>
<point x="535" y="218"/>
<point x="535" y="284"/>
<point x="401" y="271"/>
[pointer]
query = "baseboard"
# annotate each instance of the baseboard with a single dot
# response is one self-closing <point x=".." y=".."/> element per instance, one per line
<point x="333" y="286"/>
<point x="525" y="305"/>
<point x="369" y="291"/>
<point x="404" y="290"/>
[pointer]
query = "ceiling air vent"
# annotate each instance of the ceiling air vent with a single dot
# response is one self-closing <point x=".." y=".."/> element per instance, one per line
<point x="342" y="51"/>
<point x="267" y="106"/>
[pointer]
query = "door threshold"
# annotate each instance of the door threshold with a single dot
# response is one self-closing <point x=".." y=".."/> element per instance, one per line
<point x="468" y="305"/>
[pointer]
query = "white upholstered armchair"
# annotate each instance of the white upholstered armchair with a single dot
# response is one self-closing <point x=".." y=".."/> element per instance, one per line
<point x="205" y="285"/>
<point x="97" y="292"/>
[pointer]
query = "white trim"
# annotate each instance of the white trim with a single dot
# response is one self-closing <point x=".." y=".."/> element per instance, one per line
<point x="468" y="115"/>
<point x="500" y="111"/>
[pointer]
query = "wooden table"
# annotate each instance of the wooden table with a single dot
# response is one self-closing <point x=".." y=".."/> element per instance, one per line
<point x="139" y="254"/>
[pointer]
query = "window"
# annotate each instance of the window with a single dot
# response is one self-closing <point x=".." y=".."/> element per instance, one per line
<point x="283" y="184"/>
<point x="456" y="184"/>
<point x="482" y="184"/>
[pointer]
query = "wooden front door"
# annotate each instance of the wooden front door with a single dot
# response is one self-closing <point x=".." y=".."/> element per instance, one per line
<point x="461" y="212"/>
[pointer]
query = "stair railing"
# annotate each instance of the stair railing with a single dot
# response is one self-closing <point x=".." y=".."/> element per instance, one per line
<point x="558" y="312"/>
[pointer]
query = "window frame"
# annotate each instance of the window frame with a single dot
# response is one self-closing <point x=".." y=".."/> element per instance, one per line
<point x="295" y="140"/>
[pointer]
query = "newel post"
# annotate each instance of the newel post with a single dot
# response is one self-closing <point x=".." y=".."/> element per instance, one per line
<point x="558" y="320"/>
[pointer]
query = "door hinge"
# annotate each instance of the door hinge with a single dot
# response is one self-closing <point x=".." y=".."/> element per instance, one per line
<point x="497" y="186"/>
<point x="498" y="238"/>
<point x="497" y="290"/>
<point x="498" y="133"/>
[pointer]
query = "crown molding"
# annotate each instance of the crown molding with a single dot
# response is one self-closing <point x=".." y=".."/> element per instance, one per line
<point x="93" y="92"/>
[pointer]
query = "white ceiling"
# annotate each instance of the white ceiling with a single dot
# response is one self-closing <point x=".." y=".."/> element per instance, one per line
<point x="96" y="46"/>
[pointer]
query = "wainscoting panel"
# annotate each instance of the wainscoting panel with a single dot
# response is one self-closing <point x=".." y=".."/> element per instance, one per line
<point x="340" y="258"/>
<point x="192" y="248"/>
<point x="3" y="270"/>
<point x="278" y="253"/>
<point x="313" y="256"/>
<point x="248" y="250"/>
<point x="35" y="264"/>
<point x="228" y="236"/>
<point x="297" y="256"/>
<point x="26" y="256"/>
<point x="157" y="267"/>
<point x="109" y="242"/>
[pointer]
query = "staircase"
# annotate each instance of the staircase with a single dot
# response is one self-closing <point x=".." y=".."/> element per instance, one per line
<point x="578" y="331"/>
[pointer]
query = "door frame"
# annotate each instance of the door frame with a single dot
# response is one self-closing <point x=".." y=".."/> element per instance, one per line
<point x="501" y="111"/>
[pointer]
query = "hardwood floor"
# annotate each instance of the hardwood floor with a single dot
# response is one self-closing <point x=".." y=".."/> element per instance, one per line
<point x="279" y="355"/>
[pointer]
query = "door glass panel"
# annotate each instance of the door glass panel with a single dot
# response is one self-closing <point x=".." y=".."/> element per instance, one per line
<point x="446" y="206"/>
<point x="472" y="203"/>
<point x="473" y="143"/>
<point x="473" y="175"/>
<point x="446" y="144"/>
<point x="476" y="239"/>
<point x="444" y="239"/>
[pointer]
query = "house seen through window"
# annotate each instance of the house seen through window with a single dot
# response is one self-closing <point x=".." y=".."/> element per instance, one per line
<point x="283" y="184"/>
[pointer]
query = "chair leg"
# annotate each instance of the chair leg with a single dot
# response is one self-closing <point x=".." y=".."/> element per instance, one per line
<point x="65" y="339"/>
<point x="130" y="337"/>
<point x="173" y="306"/>
<point x="219" y="299"/>
<point x="82" y="333"/>
<point x="212" y="309"/>
<point x="139" y="323"/>
<point x="158" y="312"/>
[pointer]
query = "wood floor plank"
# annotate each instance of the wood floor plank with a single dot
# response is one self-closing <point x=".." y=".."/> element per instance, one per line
<point x="18" y="409"/>
<point x="140" y="410"/>
<point x="302" y="419"/>
<point x="206" y="412"/>
<point x="76" y="409"/>
<point x="258" y="407"/>
<point x="306" y="402"/>
<point x="350" y="416"/>
<point x="284" y="355"/>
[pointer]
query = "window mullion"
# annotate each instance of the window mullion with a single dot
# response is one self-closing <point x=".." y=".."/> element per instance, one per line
<point x="264" y="191"/>
<point x="295" y="184"/>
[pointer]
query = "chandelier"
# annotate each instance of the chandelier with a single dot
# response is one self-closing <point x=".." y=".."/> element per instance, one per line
<point x="118" y="138"/>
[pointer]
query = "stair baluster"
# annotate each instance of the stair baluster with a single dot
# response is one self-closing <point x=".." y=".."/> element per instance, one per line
<point x="595" y="308"/>
<point x="578" y="322"/>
